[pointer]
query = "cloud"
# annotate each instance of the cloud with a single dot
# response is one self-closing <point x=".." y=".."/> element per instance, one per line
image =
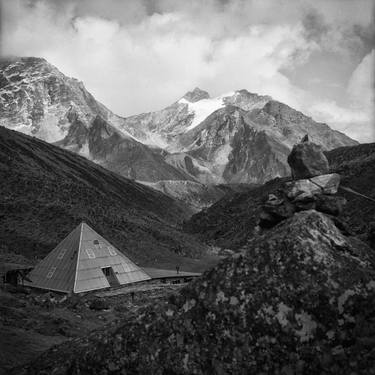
<point x="141" y="55"/>
<point x="357" y="119"/>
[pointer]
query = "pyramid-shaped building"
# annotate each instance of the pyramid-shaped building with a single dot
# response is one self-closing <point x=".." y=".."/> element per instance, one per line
<point x="82" y="262"/>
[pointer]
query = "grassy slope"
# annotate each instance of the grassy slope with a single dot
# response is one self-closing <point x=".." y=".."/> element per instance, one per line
<point x="230" y="222"/>
<point x="46" y="191"/>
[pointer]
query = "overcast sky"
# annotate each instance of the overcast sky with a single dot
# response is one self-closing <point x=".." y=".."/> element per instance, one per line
<point x="135" y="56"/>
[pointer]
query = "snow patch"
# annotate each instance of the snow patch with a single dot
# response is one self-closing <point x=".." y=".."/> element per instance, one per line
<point x="85" y="150"/>
<point x="222" y="154"/>
<point x="203" y="108"/>
<point x="155" y="140"/>
<point x="22" y="128"/>
<point x="49" y="129"/>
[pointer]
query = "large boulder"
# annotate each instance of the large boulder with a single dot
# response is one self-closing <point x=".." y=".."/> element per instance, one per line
<point x="274" y="210"/>
<point x="307" y="188"/>
<point x="298" y="300"/>
<point x="329" y="183"/>
<point x="307" y="160"/>
<point x="301" y="189"/>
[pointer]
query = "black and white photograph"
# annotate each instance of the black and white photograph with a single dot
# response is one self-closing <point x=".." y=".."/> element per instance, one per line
<point x="187" y="187"/>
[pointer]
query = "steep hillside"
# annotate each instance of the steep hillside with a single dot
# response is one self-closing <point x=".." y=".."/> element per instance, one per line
<point x="46" y="191"/>
<point x="37" y="99"/>
<point x="298" y="300"/>
<point x="230" y="222"/>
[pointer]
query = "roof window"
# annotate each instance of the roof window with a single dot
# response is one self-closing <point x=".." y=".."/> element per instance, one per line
<point x="61" y="254"/>
<point x="90" y="253"/>
<point x="51" y="272"/>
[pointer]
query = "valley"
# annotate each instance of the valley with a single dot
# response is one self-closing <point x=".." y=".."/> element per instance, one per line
<point x="47" y="191"/>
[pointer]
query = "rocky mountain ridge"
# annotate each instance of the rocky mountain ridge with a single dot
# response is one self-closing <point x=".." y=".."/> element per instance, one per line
<point x="235" y="138"/>
<point x="239" y="137"/>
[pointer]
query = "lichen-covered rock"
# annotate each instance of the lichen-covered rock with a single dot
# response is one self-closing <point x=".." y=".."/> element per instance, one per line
<point x="299" y="300"/>
<point x="307" y="160"/>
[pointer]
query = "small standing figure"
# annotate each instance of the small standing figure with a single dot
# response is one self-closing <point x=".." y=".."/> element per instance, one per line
<point x="133" y="296"/>
<point x="178" y="269"/>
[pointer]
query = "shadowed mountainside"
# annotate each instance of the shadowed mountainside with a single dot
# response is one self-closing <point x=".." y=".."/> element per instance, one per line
<point x="46" y="191"/>
<point x="230" y="222"/>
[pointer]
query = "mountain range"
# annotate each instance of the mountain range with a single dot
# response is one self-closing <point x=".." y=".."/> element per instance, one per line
<point x="238" y="137"/>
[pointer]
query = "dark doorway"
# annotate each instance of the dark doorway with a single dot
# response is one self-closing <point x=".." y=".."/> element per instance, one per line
<point x="110" y="275"/>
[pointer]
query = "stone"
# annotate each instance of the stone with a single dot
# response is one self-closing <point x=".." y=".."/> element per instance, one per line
<point x="329" y="183"/>
<point x="305" y="189"/>
<point x="307" y="160"/>
<point x="273" y="200"/>
<point x="302" y="190"/>
<point x="332" y="205"/>
<point x="272" y="214"/>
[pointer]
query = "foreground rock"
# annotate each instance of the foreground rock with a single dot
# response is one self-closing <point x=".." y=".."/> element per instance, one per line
<point x="307" y="160"/>
<point x="299" y="300"/>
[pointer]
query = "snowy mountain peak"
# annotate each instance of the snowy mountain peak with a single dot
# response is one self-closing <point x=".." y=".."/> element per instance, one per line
<point x="235" y="137"/>
<point x="247" y="100"/>
<point x="196" y="95"/>
<point x="202" y="108"/>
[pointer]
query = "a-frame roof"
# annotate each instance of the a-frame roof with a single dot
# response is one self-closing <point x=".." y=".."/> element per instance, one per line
<point x="76" y="264"/>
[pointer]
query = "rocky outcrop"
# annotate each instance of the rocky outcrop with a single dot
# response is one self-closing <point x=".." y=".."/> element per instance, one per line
<point x="196" y="95"/>
<point x="297" y="300"/>
<point x="307" y="160"/>
<point x="230" y="222"/>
